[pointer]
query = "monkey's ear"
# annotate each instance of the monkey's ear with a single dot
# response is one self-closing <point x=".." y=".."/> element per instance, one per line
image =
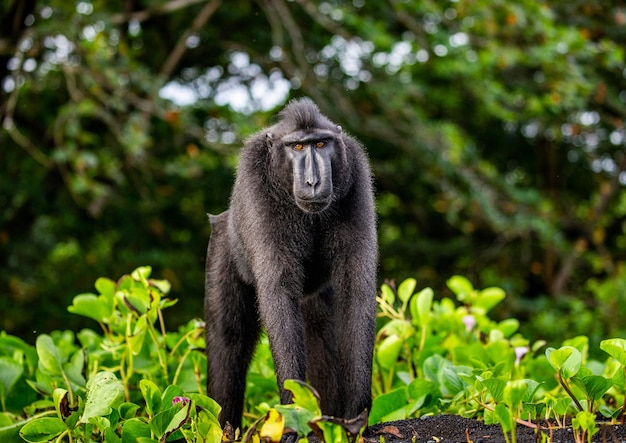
<point x="269" y="139"/>
<point x="339" y="128"/>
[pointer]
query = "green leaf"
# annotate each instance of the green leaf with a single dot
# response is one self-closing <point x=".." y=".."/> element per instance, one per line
<point x="104" y="392"/>
<point x="489" y="298"/>
<point x="388" y="351"/>
<point x="495" y="386"/>
<point x="461" y="287"/>
<point x="616" y="348"/>
<point x="106" y="287"/>
<point x="128" y="410"/>
<point x="49" y="358"/>
<point x="508" y="327"/>
<point x="152" y="396"/>
<point x="10" y="432"/>
<point x="170" y="420"/>
<point x="504" y="417"/>
<point x="10" y="372"/>
<point x="142" y="274"/>
<point x="134" y="429"/>
<point x="421" y="306"/>
<point x="296" y="417"/>
<point x="566" y="360"/>
<point x="595" y="385"/>
<point x="406" y="288"/>
<point x="75" y="367"/>
<point x="135" y="341"/>
<point x="451" y="380"/>
<point x="514" y="393"/>
<point x="389" y="406"/>
<point x="387" y="294"/>
<point x="42" y="429"/>
<point x="304" y="395"/>
<point x="91" y="306"/>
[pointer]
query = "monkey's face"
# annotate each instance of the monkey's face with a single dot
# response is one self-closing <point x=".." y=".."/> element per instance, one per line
<point x="310" y="155"/>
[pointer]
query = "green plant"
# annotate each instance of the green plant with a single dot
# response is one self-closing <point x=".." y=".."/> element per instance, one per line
<point x="302" y="417"/>
<point x="135" y="380"/>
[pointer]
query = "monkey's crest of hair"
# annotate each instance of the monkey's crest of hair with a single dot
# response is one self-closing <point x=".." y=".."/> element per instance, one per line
<point x="304" y="115"/>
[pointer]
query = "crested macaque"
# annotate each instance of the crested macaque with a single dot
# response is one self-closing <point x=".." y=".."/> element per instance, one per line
<point x="296" y="254"/>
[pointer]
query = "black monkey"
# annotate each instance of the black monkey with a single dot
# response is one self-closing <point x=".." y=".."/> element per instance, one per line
<point x="295" y="253"/>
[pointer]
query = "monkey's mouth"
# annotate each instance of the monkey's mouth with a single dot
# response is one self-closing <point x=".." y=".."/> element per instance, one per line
<point x="312" y="205"/>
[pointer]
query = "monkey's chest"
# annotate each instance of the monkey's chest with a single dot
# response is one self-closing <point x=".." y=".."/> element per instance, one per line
<point x="317" y="271"/>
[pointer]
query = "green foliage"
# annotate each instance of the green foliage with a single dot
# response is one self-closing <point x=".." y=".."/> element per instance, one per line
<point x="453" y="358"/>
<point x="135" y="381"/>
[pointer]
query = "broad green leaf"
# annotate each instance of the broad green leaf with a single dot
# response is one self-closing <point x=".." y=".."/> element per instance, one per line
<point x="207" y="422"/>
<point x="135" y="341"/>
<point x="142" y="274"/>
<point x="169" y="394"/>
<point x="303" y="395"/>
<point x="389" y="350"/>
<point x="489" y="298"/>
<point x="433" y="365"/>
<point x="451" y="380"/>
<point x="508" y="327"/>
<point x="594" y="385"/>
<point x="170" y="420"/>
<point x="9" y="431"/>
<point x="134" y="429"/>
<point x="461" y="287"/>
<point x="421" y="306"/>
<point x="296" y="417"/>
<point x="566" y="359"/>
<point x="49" y="357"/>
<point x="10" y="372"/>
<point x="616" y="348"/>
<point x="110" y="436"/>
<point x="42" y="429"/>
<point x="128" y="410"/>
<point x="406" y="288"/>
<point x="104" y="392"/>
<point x="206" y="403"/>
<point x="420" y="392"/>
<point x="106" y="287"/>
<point x="152" y="395"/>
<point x="75" y="367"/>
<point x="92" y="306"/>
<point x="389" y="406"/>
<point x="495" y="386"/>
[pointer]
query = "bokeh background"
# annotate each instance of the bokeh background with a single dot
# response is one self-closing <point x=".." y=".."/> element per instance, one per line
<point x="495" y="130"/>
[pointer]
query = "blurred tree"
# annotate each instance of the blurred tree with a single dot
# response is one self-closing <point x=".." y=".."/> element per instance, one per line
<point x="496" y="131"/>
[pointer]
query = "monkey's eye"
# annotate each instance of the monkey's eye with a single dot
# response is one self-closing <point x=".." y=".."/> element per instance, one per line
<point x="320" y="144"/>
<point x="298" y="147"/>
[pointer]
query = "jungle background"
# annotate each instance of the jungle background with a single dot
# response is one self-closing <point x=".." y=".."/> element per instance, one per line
<point x="495" y="130"/>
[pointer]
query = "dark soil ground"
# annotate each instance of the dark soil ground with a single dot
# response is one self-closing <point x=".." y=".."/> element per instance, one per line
<point x="455" y="429"/>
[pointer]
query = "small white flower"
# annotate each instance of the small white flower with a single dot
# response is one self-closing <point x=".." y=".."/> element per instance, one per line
<point x="469" y="321"/>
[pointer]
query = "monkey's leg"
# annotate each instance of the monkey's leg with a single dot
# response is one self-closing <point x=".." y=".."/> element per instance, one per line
<point x="282" y="317"/>
<point x="232" y="331"/>
<point x="321" y="350"/>
<point x="356" y="322"/>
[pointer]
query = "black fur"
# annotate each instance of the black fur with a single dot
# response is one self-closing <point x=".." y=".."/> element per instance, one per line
<point x="296" y="255"/>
